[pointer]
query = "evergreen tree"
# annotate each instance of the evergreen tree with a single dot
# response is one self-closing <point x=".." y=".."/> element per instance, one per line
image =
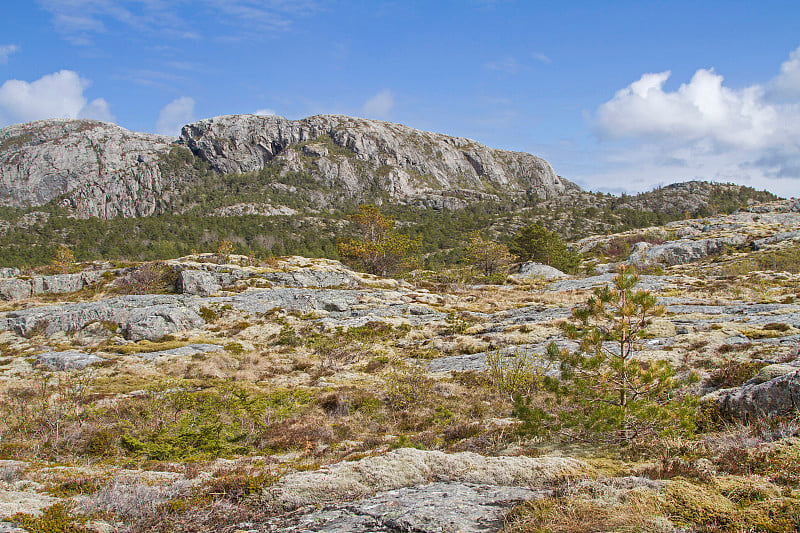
<point x="605" y="393"/>
<point x="534" y="242"/>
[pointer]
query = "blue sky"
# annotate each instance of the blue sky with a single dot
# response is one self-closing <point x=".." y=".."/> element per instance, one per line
<point x="617" y="95"/>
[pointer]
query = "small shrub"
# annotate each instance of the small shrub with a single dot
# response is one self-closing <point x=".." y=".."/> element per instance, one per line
<point x="407" y="386"/>
<point x="208" y="314"/>
<point x="57" y="518"/>
<point x="288" y="336"/>
<point x="734" y="374"/>
<point x="234" y="348"/>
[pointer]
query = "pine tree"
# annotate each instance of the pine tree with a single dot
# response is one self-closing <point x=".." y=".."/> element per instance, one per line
<point x="605" y="392"/>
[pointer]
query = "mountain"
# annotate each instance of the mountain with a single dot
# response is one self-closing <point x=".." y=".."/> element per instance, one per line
<point x="99" y="169"/>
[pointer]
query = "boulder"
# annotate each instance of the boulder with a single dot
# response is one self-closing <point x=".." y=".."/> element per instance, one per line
<point x="197" y="282"/>
<point x="770" y="372"/>
<point x="751" y="401"/>
<point x="531" y="270"/>
<point x="7" y="272"/>
<point x="156" y="322"/>
<point x="14" y="289"/>
<point x="66" y="360"/>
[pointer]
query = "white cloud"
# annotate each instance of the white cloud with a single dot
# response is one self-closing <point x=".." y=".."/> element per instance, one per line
<point x="57" y="95"/>
<point x="379" y="105"/>
<point x="175" y="115"/>
<point x="265" y="112"/>
<point x="704" y="129"/>
<point x="702" y="109"/>
<point x="538" y="56"/>
<point x="6" y="50"/>
<point x="787" y="83"/>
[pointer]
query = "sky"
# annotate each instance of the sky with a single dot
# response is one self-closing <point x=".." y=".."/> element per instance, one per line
<point x="619" y="96"/>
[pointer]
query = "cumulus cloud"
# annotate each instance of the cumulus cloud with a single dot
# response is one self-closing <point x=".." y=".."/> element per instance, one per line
<point x="57" y="95"/>
<point x="713" y="130"/>
<point x="787" y="83"/>
<point x="265" y="112"/>
<point x="379" y="105"/>
<point x="175" y="115"/>
<point x="6" y="50"/>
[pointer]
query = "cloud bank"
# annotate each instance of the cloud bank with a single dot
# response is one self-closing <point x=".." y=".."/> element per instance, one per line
<point x="705" y="129"/>
<point x="57" y="95"/>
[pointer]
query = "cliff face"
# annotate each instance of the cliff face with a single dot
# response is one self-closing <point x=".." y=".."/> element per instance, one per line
<point x="103" y="170"/>
<point x="349" y="152"/>
<point x="100" y="169"/>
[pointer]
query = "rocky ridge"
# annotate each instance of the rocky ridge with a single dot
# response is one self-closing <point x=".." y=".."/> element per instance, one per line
<point x="99" y="169"/>
<point x="102" y="170"/>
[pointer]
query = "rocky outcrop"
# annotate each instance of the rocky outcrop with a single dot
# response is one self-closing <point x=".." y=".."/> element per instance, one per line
<point x="431" y="508"/>
<point x="66" y="360"/>
<point x="408" y="467"/>
<point x="354" y="154"/>
<point x="21" y="288"/>
<point x="532" y="271"/>
<point x="98" y="169"/>
<point x="754" y="400"/>
<point x="102" y="170"/>
<point x="685" y="250"/>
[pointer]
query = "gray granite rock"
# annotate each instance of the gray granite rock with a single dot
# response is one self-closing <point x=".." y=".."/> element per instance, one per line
<point x="253" y="141"/>
<point x="197" y="282"/>
<point x="531" y="270"/>
<point x="99" y="169"/>
<point x="190" y="349"/>
<point x="430" y="508"/>
<point x="7" y="272"/>
<point x="646" y="282"/>
<point x="14" y="289"/>
<point x="752" y="401"/>
<point x="66" y="360"/>
<point x="685" y="250"/>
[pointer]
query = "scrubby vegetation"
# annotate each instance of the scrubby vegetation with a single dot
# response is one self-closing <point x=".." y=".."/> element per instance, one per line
<point x="445" y="360"/>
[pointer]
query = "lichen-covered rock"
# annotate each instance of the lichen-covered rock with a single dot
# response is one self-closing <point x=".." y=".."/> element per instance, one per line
<point x="15" y="289"/>
<point x="66" y="360"/>
<point x="197" y="282"/>
<point x="408" y="467"/>
<point x="153" y="323"/>
<point x="750" y="402"/>
<point x="531" y="270"/>
<point x="101" y="169"/>
<point x="189" y="349"/>
<point x="429" y="508"/>
<point x="685" y="250"/>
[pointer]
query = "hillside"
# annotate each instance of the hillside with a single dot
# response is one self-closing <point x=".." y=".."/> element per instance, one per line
<point x="296" y="394"/>
<point x="102" y="170"/>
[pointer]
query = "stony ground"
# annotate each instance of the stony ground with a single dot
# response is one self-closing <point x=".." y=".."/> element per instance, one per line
<point x="302" y="396"/>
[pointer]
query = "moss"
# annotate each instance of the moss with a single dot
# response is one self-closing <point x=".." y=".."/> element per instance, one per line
<point x="694" y="504"/>
<point x="58" y="518"/>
